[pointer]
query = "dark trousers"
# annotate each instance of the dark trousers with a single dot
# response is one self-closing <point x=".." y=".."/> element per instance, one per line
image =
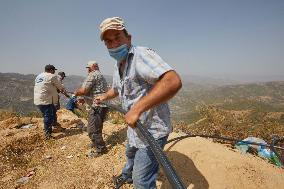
<point x="48" y="117"/>
<point x="95" y="127"/>
<point x="56" y="107"/>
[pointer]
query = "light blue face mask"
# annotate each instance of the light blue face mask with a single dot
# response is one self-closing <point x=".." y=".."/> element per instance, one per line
<point x="119" y="53"/>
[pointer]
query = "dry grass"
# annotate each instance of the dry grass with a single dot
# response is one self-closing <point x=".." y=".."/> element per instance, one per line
<point x="218" y="122"/>
<point x="6" y="114"/>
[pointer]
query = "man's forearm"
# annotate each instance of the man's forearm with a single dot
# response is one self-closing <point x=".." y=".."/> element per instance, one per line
<point x="80" y="92"/>
<point x="65" y="94"/>
<point x="165" y="88"/>
<point x="110" y="94"/>
<point x="106" y="96"/>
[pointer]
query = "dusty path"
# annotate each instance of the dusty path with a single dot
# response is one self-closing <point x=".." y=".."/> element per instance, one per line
<point x="200" y="162"/>
<point x="205" y="164"/>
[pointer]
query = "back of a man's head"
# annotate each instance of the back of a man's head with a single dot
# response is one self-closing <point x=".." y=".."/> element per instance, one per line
<point x="49" y="68"/>
<point x="62" y="74"/>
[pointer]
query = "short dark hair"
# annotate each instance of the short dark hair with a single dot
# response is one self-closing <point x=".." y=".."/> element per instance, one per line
<point x="62" y="74"/>
<point x="49" y="68"/>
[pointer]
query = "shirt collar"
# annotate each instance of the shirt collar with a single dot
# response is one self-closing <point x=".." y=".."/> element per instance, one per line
<point x="131" y="50"/>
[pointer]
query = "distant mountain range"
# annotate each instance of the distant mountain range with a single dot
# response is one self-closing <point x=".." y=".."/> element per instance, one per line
<point x="208" y="81"/>
<point x="262" y="96"/>
<point x="219" y="80"/>
<point x="16" y="94"/>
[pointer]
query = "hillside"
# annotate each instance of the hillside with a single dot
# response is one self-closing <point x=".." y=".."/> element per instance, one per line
<point x="256" y="97"/>
<point x="62" y="163"/>
<point x="16" y="94"/>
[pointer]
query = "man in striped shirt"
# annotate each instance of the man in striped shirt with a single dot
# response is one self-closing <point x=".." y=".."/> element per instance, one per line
<point x="144" y="82"/>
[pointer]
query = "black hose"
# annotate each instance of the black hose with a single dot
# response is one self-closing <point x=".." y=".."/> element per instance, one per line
<point x="169" y="170"/>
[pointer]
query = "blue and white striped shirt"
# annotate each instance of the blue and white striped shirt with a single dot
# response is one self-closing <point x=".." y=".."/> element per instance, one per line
<point x="142" y="70"/>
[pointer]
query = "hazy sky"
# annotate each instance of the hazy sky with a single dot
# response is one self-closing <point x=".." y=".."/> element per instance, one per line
<point x="214" y="37"/>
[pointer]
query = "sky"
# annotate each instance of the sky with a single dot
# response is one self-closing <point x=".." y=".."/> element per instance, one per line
<point x="196" y="37"/>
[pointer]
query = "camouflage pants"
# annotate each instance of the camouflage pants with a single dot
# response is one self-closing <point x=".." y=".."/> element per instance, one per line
<point x="95" y="127"/>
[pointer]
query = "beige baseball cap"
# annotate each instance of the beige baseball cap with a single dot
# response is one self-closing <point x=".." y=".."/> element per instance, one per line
<point x="115" y="23"/>
<point x="91" y="63"/>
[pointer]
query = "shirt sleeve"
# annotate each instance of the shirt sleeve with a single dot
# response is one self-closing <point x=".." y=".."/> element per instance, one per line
<point x="150" y="66"/>
<point x="56" y="83"/>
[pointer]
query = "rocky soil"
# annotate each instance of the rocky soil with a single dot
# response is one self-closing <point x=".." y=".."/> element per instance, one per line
<point x="63" y="163"/>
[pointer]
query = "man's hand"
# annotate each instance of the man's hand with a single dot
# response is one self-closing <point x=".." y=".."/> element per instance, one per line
<point x="100" y="99"/>
<point x="131" y="117"/>
<point x="106" y="96"/>
<point x="81" y="101"/>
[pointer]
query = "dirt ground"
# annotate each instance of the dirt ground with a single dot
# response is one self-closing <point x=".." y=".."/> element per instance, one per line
<point x="62" y="163"/>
